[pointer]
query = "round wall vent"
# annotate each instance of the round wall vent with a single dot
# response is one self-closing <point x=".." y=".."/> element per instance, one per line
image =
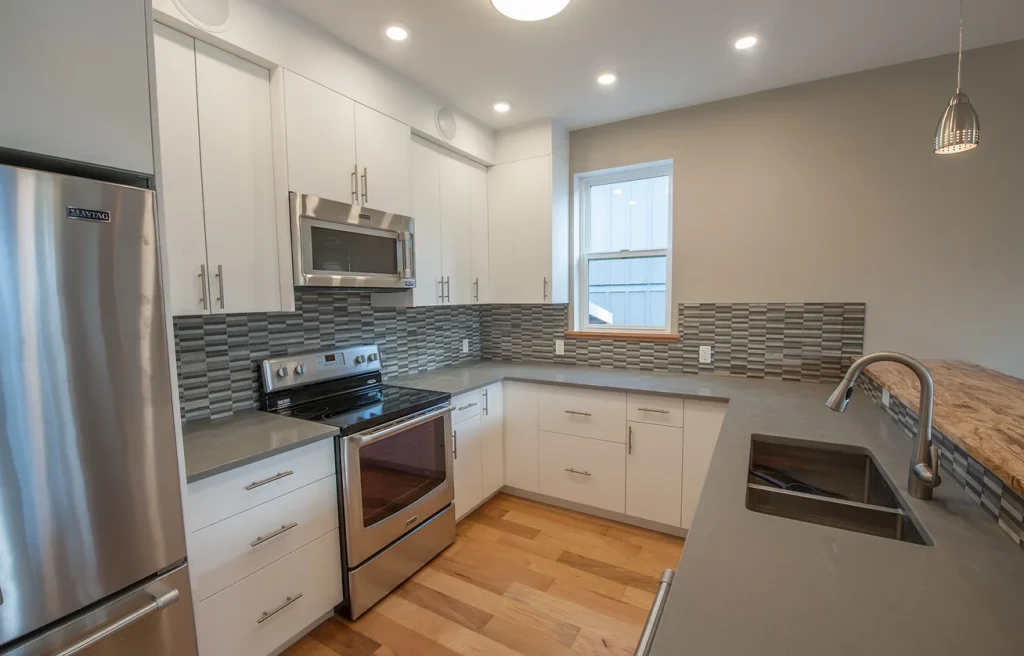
<point x="446" y="125"/>
<point x="209" y="15"/>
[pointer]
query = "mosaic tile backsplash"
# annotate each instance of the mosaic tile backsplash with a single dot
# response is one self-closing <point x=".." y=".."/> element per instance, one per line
<point x="999" y="500"/>
<point x="218" y="356"/>
<point x="783" y="341"/>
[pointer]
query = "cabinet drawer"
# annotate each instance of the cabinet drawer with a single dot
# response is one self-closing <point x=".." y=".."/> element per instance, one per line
<point x="583" y="412"/>
<point x="465" y="406"/>
<point x="241" y="620"/>
<point x="219" y="497"/>
<point x="230" y="550"/>
<point x="586" y="471"/>
<point x="653" y="409"/>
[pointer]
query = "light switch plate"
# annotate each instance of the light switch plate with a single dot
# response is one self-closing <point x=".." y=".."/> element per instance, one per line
<point x="559" y="347"/>
<point x="885" y="397"/>
<point x="465" y="346"/>
<point x="705" y="355"/>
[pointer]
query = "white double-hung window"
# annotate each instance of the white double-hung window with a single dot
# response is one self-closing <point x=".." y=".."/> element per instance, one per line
<point x="624" y="281"/>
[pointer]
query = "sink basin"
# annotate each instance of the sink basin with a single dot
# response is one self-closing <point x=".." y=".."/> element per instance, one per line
<point x="827" y="484"/>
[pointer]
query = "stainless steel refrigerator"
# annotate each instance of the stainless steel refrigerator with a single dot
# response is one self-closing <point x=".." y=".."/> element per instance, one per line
<point x="92" y="543"/>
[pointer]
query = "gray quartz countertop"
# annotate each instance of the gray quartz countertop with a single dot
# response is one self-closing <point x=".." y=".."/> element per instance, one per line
<point x="214" y="446"/>
<point x="749" y="583"/>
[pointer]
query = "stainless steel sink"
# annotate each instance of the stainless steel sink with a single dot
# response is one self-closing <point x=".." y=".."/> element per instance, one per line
<point x="831" y="485"/>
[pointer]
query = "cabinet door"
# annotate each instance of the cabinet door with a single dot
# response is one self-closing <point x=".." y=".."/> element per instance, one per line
<point x="654" y="472"/>
<point x="702" y="421"/>
<point x="468" y="482"/>
<point x="532" y="263"/>
<point x="492" y="441"/>
<point x="503" y="197"/>
<point x="320" y="132"/>
<point x="456" y="241"/>
<point x="426" y="172"/>
<point x="236" y="146"/>
<point x="521" y="436"/>
<point x="382" y="151"/>
<point x="478" y="229"/>
<point x="181" y="190"/>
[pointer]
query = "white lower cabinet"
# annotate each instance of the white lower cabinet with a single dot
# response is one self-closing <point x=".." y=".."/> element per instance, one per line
<point x="468" y="476"/>
<point x="492" y="438"/>
<point x="654" y="472"/>
<point x="262" y="612"/>
<point x="702" y="422"/>
<point x="521" y="436"/>
<point x="591" y="472"/>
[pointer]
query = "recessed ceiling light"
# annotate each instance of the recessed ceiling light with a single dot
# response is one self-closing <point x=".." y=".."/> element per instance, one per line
<point x="397" y="33"/>
<point x="632" y="202"/>
<point x="607" y="79"/>
<point x="617" y="192"/>
<point x="746" y="43"/>
<point x="502" y="106"/>
<point x="529" y="10"/>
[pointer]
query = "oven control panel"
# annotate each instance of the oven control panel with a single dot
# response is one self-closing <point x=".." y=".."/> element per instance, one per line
<point x="305" y="368"/>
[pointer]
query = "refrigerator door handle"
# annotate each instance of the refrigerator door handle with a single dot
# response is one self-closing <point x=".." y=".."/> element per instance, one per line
<point x="158" y="603"/>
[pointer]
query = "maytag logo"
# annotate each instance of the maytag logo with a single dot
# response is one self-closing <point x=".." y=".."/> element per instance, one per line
<point x="80" y="214"/>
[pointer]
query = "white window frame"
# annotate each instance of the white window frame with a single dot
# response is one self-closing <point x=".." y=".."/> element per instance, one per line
<point x="583" y="183"/>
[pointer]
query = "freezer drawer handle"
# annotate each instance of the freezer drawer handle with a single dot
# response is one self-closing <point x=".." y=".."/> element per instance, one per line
<point x="260" y="539"/>
<point x="288" y="601"/>
<point x="275" y="477"/>
<point x="158" y="603"/>
<point x="643" y="647"/>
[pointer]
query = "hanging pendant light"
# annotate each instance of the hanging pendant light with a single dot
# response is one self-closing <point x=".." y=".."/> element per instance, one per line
<point x="959" y="128"/>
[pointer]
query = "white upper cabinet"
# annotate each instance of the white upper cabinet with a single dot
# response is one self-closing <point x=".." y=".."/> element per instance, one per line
<point x="181" y="190"/>
<point x="457" y="259"/>
<point x="218" y="201"/>
<point x="426" y="212"/>
<point x="320" y="130"/>
<point x="478" y="228"/>
<point x="75" y="81"/>
<point x="382" y="154"/>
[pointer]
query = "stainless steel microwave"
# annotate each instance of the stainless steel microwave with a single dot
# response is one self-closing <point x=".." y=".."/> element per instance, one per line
<point x="335" y="244"/>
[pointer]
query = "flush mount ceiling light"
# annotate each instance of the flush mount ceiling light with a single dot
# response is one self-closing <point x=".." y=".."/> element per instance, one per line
<point x="396" y="33"/>
<point x="746" y="43"/>
<point x="959" y="129"/>
<point x="607" y="79"/>
<point x="529" y="10"/>
<point x="502" y="106"/>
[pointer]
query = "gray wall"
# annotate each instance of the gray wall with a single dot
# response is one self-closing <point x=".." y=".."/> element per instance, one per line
<point x="830" y="191"/>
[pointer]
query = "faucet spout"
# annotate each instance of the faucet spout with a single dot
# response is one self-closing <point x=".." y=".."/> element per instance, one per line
<point x="924" y="470"/>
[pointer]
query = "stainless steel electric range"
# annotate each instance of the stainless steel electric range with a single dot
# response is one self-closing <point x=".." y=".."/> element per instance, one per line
<point x="394" y="456"/>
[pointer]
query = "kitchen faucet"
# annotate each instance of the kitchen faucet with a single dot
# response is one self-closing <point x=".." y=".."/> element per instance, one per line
<point x="924" y="471"/>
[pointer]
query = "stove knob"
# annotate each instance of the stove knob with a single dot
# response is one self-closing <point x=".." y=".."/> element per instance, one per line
<point x="360" y="359"/>
<point x="301" y="369"/>
<point x="282" y="372"/>
<point x="372" y="357"/>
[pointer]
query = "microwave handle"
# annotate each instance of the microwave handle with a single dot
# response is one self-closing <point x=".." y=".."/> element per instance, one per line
<point x="369" y="438"/>
<point x="405" y="255"/>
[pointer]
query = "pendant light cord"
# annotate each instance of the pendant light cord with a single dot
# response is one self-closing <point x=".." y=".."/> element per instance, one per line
<point x="960" y="56"/>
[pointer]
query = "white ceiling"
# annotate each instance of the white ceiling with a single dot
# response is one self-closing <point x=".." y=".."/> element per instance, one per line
<point x="667" y="53"/>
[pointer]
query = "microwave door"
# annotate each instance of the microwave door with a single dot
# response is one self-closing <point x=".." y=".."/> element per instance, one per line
<point x="340" y="255"/>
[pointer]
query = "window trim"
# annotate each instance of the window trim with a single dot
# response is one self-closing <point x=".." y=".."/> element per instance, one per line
<point x="583" y="183"/>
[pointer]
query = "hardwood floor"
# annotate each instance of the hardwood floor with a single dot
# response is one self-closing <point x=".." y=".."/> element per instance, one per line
<point x="521" y="579"/>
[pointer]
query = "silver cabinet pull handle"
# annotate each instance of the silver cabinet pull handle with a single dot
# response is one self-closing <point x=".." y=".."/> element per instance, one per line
<point x="580" y="414"/>
<point x="411" y="520"/>
<point x="440" y="284"/>
<point x="158" y="603"/>
<point x="455" y="444"/>
<point x="576" y="471"/>
<point x="355" y="184"/>
<point x="220" y="284"/>
<point x="288" y="601"/>
<point x="629" y="441"/>
<point x="467" y="407"/>
<point x="366" y="187"/>
<point x="545" y="288"/>
<point x="643" y="646"/>
<point x="281" y="531"/>
<point x="275" y="477"/>
<point x="487" y="405"/>
<point x="476" y="290"/>
<point x="448" y="289"/>
<point x="654" y="410"/>
<point x="203" y="298"/>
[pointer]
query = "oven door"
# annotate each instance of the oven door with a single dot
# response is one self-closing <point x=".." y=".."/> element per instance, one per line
<point x="393" y="478"/>
<point x="341" y="245"/>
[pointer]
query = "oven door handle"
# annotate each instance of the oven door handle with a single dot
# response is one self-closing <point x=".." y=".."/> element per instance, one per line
<point x="369" y="438"/>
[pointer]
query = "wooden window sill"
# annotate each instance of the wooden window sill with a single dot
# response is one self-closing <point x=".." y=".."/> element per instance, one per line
<point x="635" y="337"/>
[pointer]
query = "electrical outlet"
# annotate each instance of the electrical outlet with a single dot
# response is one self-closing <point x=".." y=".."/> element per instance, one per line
<point x="559" y="347"/>
<point x="885" y="397"/>
<point x="465" y="346"/>
<point x="705" y="355"/>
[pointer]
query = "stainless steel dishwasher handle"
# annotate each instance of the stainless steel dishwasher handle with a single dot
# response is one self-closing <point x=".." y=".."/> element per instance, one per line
<point x="158" y="603"/>
<point x="643" y="646"/>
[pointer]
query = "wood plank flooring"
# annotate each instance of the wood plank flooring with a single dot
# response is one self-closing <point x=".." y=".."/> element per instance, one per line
<point x="521" y="579"/>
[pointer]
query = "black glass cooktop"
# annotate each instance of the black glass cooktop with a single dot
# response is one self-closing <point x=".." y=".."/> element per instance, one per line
<point x="356" y="410"/>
